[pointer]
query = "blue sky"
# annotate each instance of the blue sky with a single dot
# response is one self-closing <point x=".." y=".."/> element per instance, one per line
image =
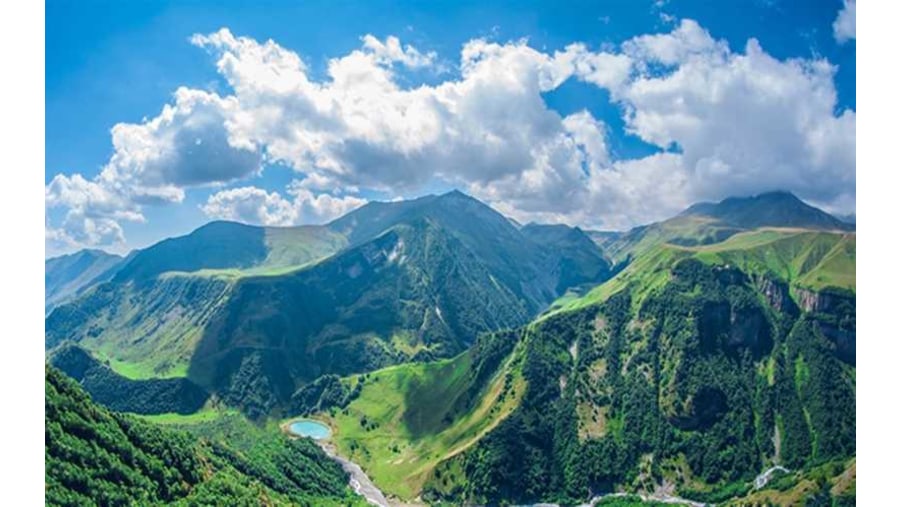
<point x="111" y="63"/>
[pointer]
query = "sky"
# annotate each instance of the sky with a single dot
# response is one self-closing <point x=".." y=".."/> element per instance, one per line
<point x="161" y="116"/>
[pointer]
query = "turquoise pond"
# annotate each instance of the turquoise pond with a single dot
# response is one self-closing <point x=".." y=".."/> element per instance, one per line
<point x="311" y="429"/>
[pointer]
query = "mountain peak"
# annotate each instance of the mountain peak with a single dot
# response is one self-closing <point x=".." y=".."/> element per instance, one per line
<point x="778" y="208"/>
<point x="456" y="194"/>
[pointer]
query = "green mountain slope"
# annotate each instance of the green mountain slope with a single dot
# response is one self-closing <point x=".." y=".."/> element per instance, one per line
<point x="803" y="260"/>
<point x="414" y="280"/>
<point x="698" y="366"/>
<point x="145" y="328"/>
<point x="400" y="422"/>
<point x="70" y="275"/>
<point x="687" y="373"/>
<point x="97" y="457"/>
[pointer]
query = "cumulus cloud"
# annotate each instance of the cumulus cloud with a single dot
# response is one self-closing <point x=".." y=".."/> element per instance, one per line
<point x="725" y="122"/>
<point x="93" y="213"/>
<point x="745" y="122"/>
<point x="256" y="206"/>
<point x="187" y="145"/>
<point x="251" y="205"/>
<point x="687" y="40"/>
<point x="845" y="24"/>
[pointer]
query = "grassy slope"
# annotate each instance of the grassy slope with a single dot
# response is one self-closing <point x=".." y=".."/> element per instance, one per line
<point x="812" y="260"/>
<point x="156" y="340"/>
<point x="805" y="259"/>
<point x="296" y="246"/>
<point x="288" y="249"/>
<point x="682" y="229"/>
<point x="141" y="340"/>
<point x="204" y="415"/>
<point x="407" y="405"/>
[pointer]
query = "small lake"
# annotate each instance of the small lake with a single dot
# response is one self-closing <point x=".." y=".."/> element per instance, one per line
<point x="311" y="429"/>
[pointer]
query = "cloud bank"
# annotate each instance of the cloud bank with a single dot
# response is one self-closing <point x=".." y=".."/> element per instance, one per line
<point x="724" y="122"/>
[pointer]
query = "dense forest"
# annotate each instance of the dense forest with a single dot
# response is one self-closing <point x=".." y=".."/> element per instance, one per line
<point x="97" y="457"/>
<point x="701" y="384"/>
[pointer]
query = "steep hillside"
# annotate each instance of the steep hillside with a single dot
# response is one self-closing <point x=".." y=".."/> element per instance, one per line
<point x="694" y="374"/>
<point x="145" y="328"/>
<point x="399" y="423"/>
<point x="97" y="457"/>
<point x="69" y="275"/>
<point x="251" y="314"/>
<point x="801" y="260"/>
<point x="414" y="293"/>
<point x="579" y="261"/>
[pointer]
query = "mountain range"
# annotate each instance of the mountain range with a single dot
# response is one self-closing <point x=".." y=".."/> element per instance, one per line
<point x="463" y="357"/>
<point x="252" y="313"/>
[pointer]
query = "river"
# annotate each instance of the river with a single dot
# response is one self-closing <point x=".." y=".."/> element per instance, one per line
<point x="359" y="481"/>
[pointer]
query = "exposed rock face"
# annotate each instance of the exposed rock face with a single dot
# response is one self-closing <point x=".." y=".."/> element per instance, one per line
<point x="836" y="311"/>
<point x="777" y="294"/>
<point x="823" y="301"/>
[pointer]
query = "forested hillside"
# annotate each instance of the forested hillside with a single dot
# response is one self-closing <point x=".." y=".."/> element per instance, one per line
<point x="97" y="457"/>
<point x="700" y="384"/>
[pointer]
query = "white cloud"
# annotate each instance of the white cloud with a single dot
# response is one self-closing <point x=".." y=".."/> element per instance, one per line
<point x="728" y="122"/>
<point x="746" y="122"/>
<point x="603" y="69"/>
<point x="187" y="145"/>
<point x="92" y="216"/>
<point x="687" y="40"/>
<point x="845" y="24"/>
<point x="391" y="51"/>
<point x="320" y="208"/>
<point x="256" y="206"/>
<point x="251" y="205"/>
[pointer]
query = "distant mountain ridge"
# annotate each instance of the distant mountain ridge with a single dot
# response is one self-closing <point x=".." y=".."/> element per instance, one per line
<point x="770" y="209"/>
<point x="707" y="223"/>
<point x="67" y="276"/>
